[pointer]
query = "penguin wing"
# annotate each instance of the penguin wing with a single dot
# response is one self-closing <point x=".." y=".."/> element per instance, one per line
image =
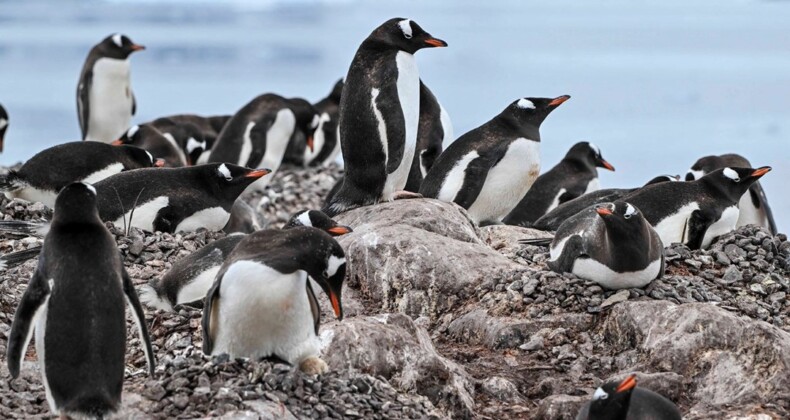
<point x="314" y="308"/>
<point x="83" y="103"/>
<point x="761" y="201"/>
<point x="573" y="249"/>
<point x="258" y="139"/>
<point x="29" y="309"/>
<point x="395" y="125"/>
<point x="139" y="318"/>
<point x="696" y="226"/>
<point x="134" y="105"/>
<point x="474" y="179"/>
<point x="210" y="313"/>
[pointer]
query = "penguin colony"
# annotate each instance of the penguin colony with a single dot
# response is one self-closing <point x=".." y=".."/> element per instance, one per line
<point x="257" y="288"/>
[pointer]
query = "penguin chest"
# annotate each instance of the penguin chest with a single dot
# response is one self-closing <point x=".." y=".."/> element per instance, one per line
<point x="726" y="224"/>
<point x="590" y="269"/>
<point x="103" y="173"/>
<point x="110" y="108"/>
<point x="507" y="181"/>
<point x="277" y="138"/>
<point x="593" y="185"/>
<point x="264" y="312"/>
<point x="751" y="215"/>
<point x="144" y="215"/>
<point x="197" y="287"/>
<point x="674" y="227"/>
<point x="34" y="195"/>
<point x="212" y="218"/>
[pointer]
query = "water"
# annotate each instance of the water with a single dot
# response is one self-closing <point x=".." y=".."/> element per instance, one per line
<point x="654" y="85"/>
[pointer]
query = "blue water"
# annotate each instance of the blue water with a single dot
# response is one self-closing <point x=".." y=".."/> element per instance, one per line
<point x="654" y="85"/>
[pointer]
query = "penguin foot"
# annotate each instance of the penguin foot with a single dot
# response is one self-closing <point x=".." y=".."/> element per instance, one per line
<point x="405" y="195"/>
<point x="313" y="365"/>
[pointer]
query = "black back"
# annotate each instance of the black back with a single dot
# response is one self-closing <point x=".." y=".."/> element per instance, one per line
<point x="430" y="136"/>
<point x="149" y="138"/>
<point x="3" y="126"/>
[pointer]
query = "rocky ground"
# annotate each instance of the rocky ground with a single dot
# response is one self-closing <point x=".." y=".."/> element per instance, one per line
<point x="445" y="319"/>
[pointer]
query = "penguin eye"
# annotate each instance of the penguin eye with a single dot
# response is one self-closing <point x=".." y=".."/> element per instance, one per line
<point x="604" y="396"/>
<point x="626" y="216"/>
<point x="326" y="274"/>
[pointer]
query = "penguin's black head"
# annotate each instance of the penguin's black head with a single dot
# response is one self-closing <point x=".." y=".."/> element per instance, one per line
<point x="337" y="91"/>
<point x="612" y="400"/>
<point x="76" y="202"/>
<point x="663" y="178"/>
<point x="620" y="217"/>
<point x="317" y="219"/>
<point x="307" y="118"/>
<point x="734" y="181"/>
<point x="589" y="154"/>
<point x="3" y="126"/>
<point x="708" y="164"/>
<point x="191" y="137"/>
<point x="118" y="46"/>
<point x="133" y="137"/>
<point x="532" y="111"/>
<point x="229" y="180"/>
<point x="403" y="34"/>
<point x="139" y="158"/>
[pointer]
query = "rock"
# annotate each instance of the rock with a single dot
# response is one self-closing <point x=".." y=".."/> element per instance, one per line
<point x="620" y="296"/>
<point x="560" y="407"/>
<point x="501" y="389"/>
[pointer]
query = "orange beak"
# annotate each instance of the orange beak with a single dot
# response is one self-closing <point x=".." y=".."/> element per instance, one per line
<point x="607" y="165"/>
<point x="559" y="100"/>
<point x="603" y="211"/>
<point x="435" y="42"/>
<point x="136" y="47"/>
<point x="118" y="142"/>
<point x="627" y="384"/>
<point x="761" y="171"/>
<point x="159" y="163"/>
<point x="336" y="305"/>
<point x="339" y="230"/>
<point x="310" y="143"/>
<point x="258" y="173"/>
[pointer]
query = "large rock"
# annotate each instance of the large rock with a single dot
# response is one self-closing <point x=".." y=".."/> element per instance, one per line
<point x="394" y="347"/>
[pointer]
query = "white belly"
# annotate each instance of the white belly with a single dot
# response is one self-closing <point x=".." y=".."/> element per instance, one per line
<point x="110" y="108"/>
<point x="144" y="215"/>
<point x="41" y="330"/>
<point x="34" y="195"/>
<point x="198" y="287"/>
<point x="447" y="126"/>
<point x="335" y="151"/>
<point x="246" y="145"/>
<point x="182" y="157"/>
<point x="725" y="224"/>
<point x="593" y="270"/>
<point x="507" y="182"/>
<point x="749" y="214"/>
<point x="455" y="178"/>
<point x="556" y="201"/>
<point x="277" y="138"/>
<point x="594" y="185"/>
<point x="674" y="229"/>
<point x="213" y="219"/>
<point x="263" y="312"/>
<point x="107" y="172"/>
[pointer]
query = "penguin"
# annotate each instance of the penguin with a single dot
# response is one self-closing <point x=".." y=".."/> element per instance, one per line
<point x="149" y="138"/>
<point x="574" y="176"/>
<point x="326" y="145"/>
<point x="489" y="169"/>
<point x="209" y="127"/>
<point x="379" y="116"/>
<point x="47" y="172"/>
<point x="75" y="303"/>
<point x="258" y="134"/>
<point x="174" y="199"/>
<point x="623" y="400"/>
<point x="262" y="305"/>
<point x="187" y="282"/>
<point x="105" y="102"/>
<point x="552" y="220"/>
<point x="3" y="126"/>
<point x="753" y="206"/>
<point x="611" y="244"/>
<point x="434" y="131"/>
<point x="243" y="218"/>
<point x="187" y="136"/>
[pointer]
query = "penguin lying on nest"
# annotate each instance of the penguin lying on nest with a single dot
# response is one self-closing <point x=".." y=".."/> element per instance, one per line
<point x="623" y="400"/>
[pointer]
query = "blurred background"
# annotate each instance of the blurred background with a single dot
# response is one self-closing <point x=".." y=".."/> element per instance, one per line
<point x="655" y="85"/>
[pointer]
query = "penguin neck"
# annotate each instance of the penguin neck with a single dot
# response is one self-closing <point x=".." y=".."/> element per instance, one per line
<point x="722" y="190"/>
<point x="527" y="130"/>
<point x="629" y="256"/>
<point x="580" y="164"/>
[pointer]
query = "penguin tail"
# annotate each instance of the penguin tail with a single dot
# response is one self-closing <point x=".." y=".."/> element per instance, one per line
<point x="24" y="228"/>
<point x="11" y="182"/>
<point x="536" y="241"/>
<point x="13" y="259"/>
<point x="151" y="297"/>
<point x="97" y="406"/>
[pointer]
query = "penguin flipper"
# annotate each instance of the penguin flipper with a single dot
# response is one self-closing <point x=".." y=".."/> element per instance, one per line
<point x="27" y="312"/>
<point x="474" y="179"/>
<point x="134" y="104"/>
<point x="210" y="314"/>
<point x="139" y="318"/>
<point x="314" y="308"/>
<point x="13" y="259"/>
<point x="83" y="103"/>
<point x="696" y="227"/>
<point x="258" y="138"/>
<point x="573" y="249"/>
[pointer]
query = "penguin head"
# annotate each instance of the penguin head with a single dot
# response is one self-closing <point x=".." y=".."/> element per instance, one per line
<point x="708" y="164"/>
<point x="191" y="137"/>
<point x="228" y="180"/>
<point x="532" y="111"/>
<point x="734" y="181"/>
<point x="317" y="219"/>
<point x="3" y="126"/>
<point x="329" y="272"/>
<point x="663" y="178"/>
<point x="621" y="218"/>
<point x="76" y="202"/>
<point x="118" y="46"/>
<point x="139" y="158"/>
<point x="337" y="90"/>
<point x="612" y="399"/>
<point x="149" y="138"/>
<point x="403" y="34"/>
<point x="307" y="118"/>
<point x="588" y="154"/>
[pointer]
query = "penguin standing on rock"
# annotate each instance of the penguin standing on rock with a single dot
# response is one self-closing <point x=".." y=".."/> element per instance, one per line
<point x="105" y="102"/>
<point x="489" y="169"/>
<point x="574" y="176"/>
<point x="3" y="126"/>
<point x="623" y="400"/>
<point x="753" y="207"/>
<point x="262" y="305"/>
<point x="435" y="130"/>
<point x="379" y="116"/>
<point x="75" y="303"/>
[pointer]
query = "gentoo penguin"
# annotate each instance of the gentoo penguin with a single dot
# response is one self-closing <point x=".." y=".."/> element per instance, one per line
<point x="243" y="218"/>
<point x="3" y="126"/>
<point x="753" y="206"/>
<point x="258" y="134"/>
<point x="174" y="199"/>
<point x="186" y="135"/>
<point x="262" y="305"/>
<point x="209" y="127"/>
<point x="105" y="102"/>
<point x="553" y="219"/>
<point x="489" y="169"/>
<point x="190" y="277"/>
<point x="326" y="144"/>
<point x="611" y="244"/>
<point x="434" y="131"/>
<point x="574" y="176"/>
<point x="48" y="171"/>
<point x="623" y="400"/>
<point x="75" y="302"/>
<point x="379" y="115"/>
<point x="150" y="139"/>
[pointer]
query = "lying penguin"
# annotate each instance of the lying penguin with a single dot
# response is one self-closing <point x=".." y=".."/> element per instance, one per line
<point x="187" y="282"/>
<point x="624" y="400"/>
<point x="611" y="244"/>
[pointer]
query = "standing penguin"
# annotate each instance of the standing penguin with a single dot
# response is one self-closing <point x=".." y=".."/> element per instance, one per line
<point x="753" y="206"/>
<point x="611" y="244"/>
<point x="149" y="138"/>
<point x="574" y="176"/>
<point x="623" y="400"/>
<point x="435" y="130"/>
<point x="326" y="143"/>
<point x="105" y="101"/>
<point x="379" y="115"/>
<point x="258" y="134"/>
<point x="262" y="304"/>
<point x="3" y="126"/>
<point x="75" y="301"/>
<point x="489" y="169"/>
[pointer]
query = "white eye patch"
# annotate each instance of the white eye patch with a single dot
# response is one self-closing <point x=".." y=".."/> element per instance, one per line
<point x="150" y="156"/>
<point x="731" y="174"/>
<point x="3" y="123"/>
<point x="89" y="187"/>
<point x="224" y="171"/>
<point x="117" y="40"/>
<point x="333" y="265"/>
<point x="304" y="218"/>
<point x="193" y="144"/>
<point x="315" y="122"/>
<point x="132" y="131"/>
<point x="405" y="27"/>
<point x="525" y="103"/>
<point x="600" y="394"/>
<point x="696" y="174"/>
<point x="629" y="210"/>
<point x="595" y="149"/>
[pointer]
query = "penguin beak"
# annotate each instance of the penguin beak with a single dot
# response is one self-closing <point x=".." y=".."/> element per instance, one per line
<point x="334" y="297"/>
<point x="310" y="143"/>
<point x="761" y="171"/>
<point x="118" y="142"/>
<point x="159" y="163"/>
<point x="605" y="164"/>
<point x="603" y="211"/>
<point x="559" y="100"/>
<point x="137" y="47"/>
<point x="258" y="173"/>
<point x="339" y="230"/>
<point x="433" y="42"/>
<point x="628" y="384"/>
